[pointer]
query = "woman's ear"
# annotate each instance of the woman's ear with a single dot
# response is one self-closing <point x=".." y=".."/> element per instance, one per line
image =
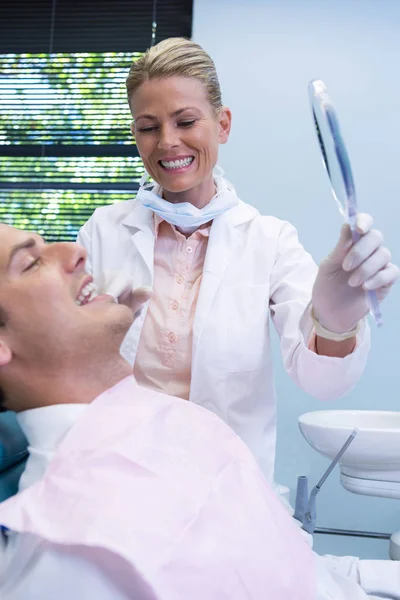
<point x="5" y="353"/>
<point x="224" y="124"/>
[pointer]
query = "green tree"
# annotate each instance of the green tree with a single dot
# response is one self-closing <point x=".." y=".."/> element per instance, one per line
<point x="55" y="102"/>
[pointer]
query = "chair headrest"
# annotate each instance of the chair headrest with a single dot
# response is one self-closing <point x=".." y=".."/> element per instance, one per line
<point x="13" y="443"/>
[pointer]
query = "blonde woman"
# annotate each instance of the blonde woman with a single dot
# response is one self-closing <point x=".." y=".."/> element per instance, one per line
<point x="217" y="269"/>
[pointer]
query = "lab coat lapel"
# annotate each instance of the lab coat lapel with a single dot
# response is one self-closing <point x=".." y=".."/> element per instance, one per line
<point x="140" y="223"/>
<point x="140" y="258"/>
<point x="225" y="237"/>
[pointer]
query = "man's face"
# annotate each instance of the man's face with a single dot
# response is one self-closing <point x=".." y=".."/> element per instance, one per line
<point x="53" y="319"/>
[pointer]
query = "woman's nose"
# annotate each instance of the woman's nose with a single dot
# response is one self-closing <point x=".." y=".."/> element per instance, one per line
<point x="168" y="138"/>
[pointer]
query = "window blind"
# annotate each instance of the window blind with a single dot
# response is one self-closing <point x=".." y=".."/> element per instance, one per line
<point x="65" y="142"/>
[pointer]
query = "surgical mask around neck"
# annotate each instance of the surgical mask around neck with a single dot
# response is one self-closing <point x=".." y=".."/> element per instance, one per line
<point x="183" y="214"/>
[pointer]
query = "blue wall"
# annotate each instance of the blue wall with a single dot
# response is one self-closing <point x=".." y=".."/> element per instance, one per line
<point x="266" y="52"/>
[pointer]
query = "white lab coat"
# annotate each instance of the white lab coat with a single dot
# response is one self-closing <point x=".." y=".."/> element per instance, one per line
<point x="253" y="263"/>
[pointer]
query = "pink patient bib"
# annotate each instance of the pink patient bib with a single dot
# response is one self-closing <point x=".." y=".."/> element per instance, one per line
<point x="170" y="490"/>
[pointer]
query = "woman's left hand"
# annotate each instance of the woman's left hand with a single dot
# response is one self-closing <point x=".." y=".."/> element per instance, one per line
<point x="339" y="294"/>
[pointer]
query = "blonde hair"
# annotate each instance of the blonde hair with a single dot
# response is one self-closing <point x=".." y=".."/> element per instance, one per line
<point x="176" y="57"/>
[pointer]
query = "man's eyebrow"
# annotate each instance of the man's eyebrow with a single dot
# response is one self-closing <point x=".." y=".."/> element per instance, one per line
<point x="28" y="244"/>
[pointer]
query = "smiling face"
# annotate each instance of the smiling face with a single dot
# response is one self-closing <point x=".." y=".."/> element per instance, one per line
<point x="52" y="321"/>
<point x="177" y="133"/>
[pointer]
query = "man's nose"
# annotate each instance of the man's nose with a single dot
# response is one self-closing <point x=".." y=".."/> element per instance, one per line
<point x="71" y="256"/>
<point x="168" y="137"/>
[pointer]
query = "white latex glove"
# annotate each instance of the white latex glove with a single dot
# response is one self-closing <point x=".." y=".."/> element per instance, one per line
<point x="118" y="284"/>
<point x="135" y="299"/>
<point x="339" y="299"/>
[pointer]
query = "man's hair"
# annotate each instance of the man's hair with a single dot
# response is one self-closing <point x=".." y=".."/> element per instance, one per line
<point x="3" y="316"/>
<point x="2" y="401"/>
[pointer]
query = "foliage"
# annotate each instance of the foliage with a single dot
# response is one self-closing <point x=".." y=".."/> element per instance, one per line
<point x="63" y="100"/>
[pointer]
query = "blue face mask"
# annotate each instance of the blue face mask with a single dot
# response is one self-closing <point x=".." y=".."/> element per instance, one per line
<point x="183" y="214"/>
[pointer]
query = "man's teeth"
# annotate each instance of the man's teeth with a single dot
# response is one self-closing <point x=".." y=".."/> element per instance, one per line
<point x="87" y="294"/>
<point x="177" y="164"/>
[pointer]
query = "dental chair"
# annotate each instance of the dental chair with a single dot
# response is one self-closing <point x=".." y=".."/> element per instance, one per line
<point x="13" y="454"/>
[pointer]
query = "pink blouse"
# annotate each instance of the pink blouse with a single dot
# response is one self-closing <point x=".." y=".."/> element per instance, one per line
<point x="164" y="356"/>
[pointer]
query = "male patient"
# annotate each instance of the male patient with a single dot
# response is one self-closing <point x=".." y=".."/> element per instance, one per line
<point x="128" y="493"/>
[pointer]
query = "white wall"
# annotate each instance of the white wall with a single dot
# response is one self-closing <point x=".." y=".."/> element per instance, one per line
<point x="266" y="52"/>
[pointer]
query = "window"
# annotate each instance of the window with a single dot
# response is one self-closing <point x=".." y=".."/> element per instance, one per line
<point x="65" y="143"/>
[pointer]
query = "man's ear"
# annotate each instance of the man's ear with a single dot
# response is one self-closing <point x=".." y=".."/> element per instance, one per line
<point x="5" y="353"/>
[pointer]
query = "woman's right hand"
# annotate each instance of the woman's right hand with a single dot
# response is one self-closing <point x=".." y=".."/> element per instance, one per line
<point x="118" y="284"/>
<point x="135" y="299"/>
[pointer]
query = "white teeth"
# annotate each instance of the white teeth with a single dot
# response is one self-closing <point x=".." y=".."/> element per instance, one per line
<point x="87" y="294"/>
<point x="177" y="164"/>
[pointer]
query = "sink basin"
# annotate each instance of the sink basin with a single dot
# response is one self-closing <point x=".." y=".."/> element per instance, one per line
<point x="374" y="453"/>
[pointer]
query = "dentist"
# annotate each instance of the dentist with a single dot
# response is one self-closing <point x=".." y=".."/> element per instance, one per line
<point x="216" y="269"/>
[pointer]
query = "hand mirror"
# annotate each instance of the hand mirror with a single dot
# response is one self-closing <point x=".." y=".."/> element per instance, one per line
<point x="337" y="165"/>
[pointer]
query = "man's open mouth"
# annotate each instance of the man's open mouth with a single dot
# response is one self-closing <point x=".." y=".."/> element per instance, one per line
<point x="87" y="294"/>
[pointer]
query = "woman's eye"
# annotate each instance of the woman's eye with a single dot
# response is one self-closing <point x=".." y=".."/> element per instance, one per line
<point x="146" y="129"/>
<point x="32" y="264"/>
<point x="187" y="123"/>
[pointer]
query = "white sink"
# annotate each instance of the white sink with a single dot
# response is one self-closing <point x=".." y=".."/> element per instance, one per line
<point x="374" y="453"/>
<point x="371" y="464"/>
